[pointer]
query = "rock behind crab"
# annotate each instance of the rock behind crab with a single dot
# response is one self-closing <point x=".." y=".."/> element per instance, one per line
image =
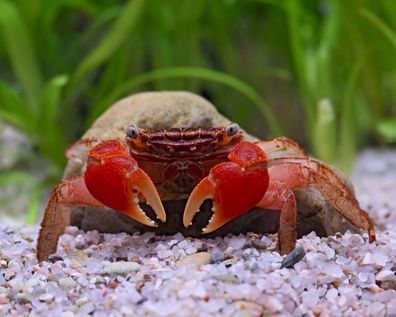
<point x="161" y="110"/>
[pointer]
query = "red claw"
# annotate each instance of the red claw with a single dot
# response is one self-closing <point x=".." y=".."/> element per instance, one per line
<point x="235" y="187"/>
<point x="115" y="179"/>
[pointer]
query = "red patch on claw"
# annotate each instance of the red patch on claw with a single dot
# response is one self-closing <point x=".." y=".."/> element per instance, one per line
<point x="108" y="183"/>
<point x="247" y="154"/>
<point x="238" y="190"/>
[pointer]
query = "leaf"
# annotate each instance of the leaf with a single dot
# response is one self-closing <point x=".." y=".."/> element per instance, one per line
<point x="12" y="118"/>
<point x="347" y="143"/>
<point x="50" y="139"/>
<point x="20" y="51"/>
<point x="324" y="136"/>
<point x="14" y="110"/>
<point x="34" y="205"/>
<point x="15" y="177"/>
<point x="113" y="39"/>
<point x="50" y="97"/>
<point x="387" y="129"/>
<point x="380" y="26"/>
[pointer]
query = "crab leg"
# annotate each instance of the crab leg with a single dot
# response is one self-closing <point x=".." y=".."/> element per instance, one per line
<point x="297" y="173"/>
<point x="281" y="147"/>
<point x="280" y="197"/>
<point x="71" y="192"/>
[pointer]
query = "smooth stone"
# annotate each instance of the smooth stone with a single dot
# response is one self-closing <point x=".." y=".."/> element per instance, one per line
<point x="293" y="257"/>
<point x="82" y="301"/>
<point x="160" y="110"/>
<point x="67" y="282"/>
<point x="199" y="258"/>
<point x="228" y="278"/>
<point x="258" y="244"/>
<point x="385" y="275"/>
<point x="23" y="298"/>
<point x="121" y="267"/>
<point x="47" y="298"/>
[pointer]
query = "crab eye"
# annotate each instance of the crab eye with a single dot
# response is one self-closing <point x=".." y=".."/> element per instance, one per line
<point x="232" y="129"/>
<point x="132" y="131"/>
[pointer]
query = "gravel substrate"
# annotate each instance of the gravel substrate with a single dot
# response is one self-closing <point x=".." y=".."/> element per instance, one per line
<point x="144" y="275"/>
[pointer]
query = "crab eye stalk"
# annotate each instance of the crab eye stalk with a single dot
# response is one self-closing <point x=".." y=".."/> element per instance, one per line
<point x="232" y="129"/>
<point x="132" y="131"/>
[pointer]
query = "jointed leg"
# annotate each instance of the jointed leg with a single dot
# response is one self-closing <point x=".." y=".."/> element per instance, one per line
<point x="280" y="197"/>
<point x="281" y="148"/>
<point x="297" y="173"/>
<point x="71" y="192"/>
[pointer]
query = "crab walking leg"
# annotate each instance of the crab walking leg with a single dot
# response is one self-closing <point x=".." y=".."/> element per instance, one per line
<point x="280" y="197"/>
<point x="281" y="147"/>
<point x="297" y="173"/>
<point x="71" y="192"/>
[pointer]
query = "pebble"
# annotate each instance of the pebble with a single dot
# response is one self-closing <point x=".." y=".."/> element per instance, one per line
<point x="54" y="258"/>
<point x="121" y="267"/>
<point x="386" y="275"/>
<point x="66" y="282"/>
<point x="23" y="298"/>
<point x="237" y="243"/>
<point x="163" y="254"/>
<point x="199" y="258"/>
<point x="310" y="298"/>
<point x="258" y="244"/>
<point x="228" y="278"/>
<point x="46" y="298"/>
<point x="273" y="305"/>
<point x="4" y="300"/>
<point x="293" y="257"/>
<point x="82" y="301"/>
<point x="31" y="284"/>
<point x="380" y="259"/>
<point x="217" y="257"/>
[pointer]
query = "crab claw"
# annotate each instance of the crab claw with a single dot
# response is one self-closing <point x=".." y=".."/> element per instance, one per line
<point x="115" y="180"/>
<point x="235" y="187"/>
<point x="204" y="190"/>
<point x="140" y="182"/>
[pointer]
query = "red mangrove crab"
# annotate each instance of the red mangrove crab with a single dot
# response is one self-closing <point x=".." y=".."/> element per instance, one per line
<point x="198" y="163"/>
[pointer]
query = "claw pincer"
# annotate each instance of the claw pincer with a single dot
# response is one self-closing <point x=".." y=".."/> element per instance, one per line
<point x="115" y="179"/>
<point x="235" y="187"/>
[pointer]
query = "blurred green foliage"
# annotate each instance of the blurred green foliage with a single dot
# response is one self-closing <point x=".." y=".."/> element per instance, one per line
<point x="321" y="72"/>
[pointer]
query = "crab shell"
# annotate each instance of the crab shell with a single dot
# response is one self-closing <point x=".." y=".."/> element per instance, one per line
<point x="164" y="110"/>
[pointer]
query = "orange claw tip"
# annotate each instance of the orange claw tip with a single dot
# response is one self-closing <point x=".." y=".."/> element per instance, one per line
<point x="217" y="220"/>
<point x="141" y="182"/>
<point x="136" y="213"/>
<point x="204" y="190"/>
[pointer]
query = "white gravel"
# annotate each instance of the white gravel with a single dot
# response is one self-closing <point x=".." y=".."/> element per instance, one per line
<point x="144" y="275"/>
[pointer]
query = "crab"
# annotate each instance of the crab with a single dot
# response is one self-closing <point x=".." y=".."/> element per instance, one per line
<point x="198" y="163"/>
